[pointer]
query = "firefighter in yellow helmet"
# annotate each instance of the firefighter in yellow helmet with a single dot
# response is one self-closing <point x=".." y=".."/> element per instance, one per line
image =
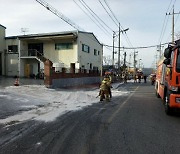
<point x="104" y="88"/>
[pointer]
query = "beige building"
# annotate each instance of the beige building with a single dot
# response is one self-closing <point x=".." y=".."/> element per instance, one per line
<point x="74" y="51"/>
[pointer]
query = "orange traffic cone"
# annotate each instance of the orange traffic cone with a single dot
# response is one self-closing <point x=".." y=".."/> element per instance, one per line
<point x="16" y="83"/>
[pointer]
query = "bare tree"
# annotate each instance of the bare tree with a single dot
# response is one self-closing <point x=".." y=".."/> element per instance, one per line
<point x="107" y="60"/>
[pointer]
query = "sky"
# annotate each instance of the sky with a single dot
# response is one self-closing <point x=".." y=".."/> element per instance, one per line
<point x="146" y="19"/>
<point x="36" y="102"/>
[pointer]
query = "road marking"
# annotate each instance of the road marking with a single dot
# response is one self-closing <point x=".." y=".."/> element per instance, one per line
<point x="120" y="107"/>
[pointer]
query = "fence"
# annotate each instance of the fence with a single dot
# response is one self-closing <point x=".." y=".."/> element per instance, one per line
<point x="57" y="78"/>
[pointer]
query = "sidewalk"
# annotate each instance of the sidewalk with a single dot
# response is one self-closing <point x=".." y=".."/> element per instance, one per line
<point x="9" y="81"/>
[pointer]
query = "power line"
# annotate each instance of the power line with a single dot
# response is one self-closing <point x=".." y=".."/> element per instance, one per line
<point x="108" y="13"/>
<point x="111" y="11"/>
<point x="59" y="14"/>
<point x="136" y="47"/>
<point x="165" y="23"/>
<point x="85" y="4"/>
<point x="91" y="18"/>
<point x="126" y="36"/>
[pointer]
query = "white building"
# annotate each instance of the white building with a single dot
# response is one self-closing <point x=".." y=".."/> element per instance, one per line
<point x="25" y="54"/>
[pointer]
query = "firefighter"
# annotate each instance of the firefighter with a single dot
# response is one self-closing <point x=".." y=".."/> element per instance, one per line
<point x="139" y="78"/>
<point x="109" y="76"/>
<point x="104" y="89"/>
<point x="135" y="78"/>
<point x="125" y="77"/>
<point x="145" y="77"/>
<point x="153" y="79"/>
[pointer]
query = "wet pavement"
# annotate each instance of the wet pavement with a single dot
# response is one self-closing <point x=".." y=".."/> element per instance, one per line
<point x="9" y="81"/>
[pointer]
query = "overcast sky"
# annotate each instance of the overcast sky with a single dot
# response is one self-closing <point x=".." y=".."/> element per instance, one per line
<point x="144" y="18"/>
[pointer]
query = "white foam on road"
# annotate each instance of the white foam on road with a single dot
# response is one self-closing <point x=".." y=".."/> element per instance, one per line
<point x="54" y="103"/>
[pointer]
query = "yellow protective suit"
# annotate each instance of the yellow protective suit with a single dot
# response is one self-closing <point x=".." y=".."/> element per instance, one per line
<point x="104" y="89"/>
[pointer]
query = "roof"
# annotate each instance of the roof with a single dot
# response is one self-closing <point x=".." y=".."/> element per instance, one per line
<point x="91" y="34"/>
<point x="42" y="35"/>
<point x="75" y="33"/>
<point x="3" y="26"/>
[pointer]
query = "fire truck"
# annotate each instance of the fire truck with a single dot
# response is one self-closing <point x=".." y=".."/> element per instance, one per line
<point x="167" y="84"/>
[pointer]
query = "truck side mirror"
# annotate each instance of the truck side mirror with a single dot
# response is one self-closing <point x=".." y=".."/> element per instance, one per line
<point x="166" y="61"/>
<point x="167" y="52"/>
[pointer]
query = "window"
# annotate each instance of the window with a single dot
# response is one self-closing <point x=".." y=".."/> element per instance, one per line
<point x="85" y="48"/>
<point x="13" y="48"/>
<point x="63" y="46"/>
<point x="95" y="52"/>
<point x="98" y="52"/>
<point x="163" y="74"/>
<point x="178" y="61"/>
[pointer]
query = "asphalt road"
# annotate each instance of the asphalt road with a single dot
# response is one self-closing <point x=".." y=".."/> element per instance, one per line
<point x="132" y="124"/>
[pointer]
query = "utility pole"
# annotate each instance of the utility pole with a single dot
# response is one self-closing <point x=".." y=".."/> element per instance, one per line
<point x="102" y="63"/>
<point x="159" y="50"/>
<point x="113" y="51"/>
<point x="119" y="52"/>
<point x="172" y="22"/>
<point x="119" y="49"/>
<point x="135" y="62"/>
<point x="124" y="59"/>
<point x="130" y="60"/>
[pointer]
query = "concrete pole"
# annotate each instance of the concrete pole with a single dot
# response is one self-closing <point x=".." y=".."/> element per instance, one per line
<point x="119" y="52"/>
<point x="113" y="51"/>
<point x="173" y="25"/>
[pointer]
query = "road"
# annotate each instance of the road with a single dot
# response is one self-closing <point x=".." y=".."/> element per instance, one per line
<point x="130" y="124"/>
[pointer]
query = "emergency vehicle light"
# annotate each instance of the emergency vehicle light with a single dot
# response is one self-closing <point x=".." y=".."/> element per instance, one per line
<point x="173" y="88"/>
<point x="177" y="99"/>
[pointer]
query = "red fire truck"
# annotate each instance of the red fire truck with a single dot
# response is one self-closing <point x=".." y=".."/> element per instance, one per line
<point x="168" y="78"/>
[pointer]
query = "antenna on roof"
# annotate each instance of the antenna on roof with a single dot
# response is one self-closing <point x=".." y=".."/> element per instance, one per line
<point x="24" y="30"/>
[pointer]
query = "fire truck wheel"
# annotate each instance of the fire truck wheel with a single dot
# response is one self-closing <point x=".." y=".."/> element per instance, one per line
<point x="168" y="110"/>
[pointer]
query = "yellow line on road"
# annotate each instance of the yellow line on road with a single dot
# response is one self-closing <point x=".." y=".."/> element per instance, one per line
<point x="120" y="107"/>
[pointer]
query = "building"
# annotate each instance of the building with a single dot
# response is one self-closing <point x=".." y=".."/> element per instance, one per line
<point x="74" y="51"/>
<point x="2" y="49"/>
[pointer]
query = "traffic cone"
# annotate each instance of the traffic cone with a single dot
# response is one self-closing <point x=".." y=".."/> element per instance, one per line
<point x="16" y="83"/>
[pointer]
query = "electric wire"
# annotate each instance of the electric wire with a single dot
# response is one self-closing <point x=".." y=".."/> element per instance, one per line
<point x="168" y="38"/>
<point x="126" y="36"/>
<point x="165" y="24"/>
<point x="143" y="47"/>
<point x="87" y="7"/>
<point x="91" y="18"/>
<point x="108" y="13"/>
<point x="111" y="11"/>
